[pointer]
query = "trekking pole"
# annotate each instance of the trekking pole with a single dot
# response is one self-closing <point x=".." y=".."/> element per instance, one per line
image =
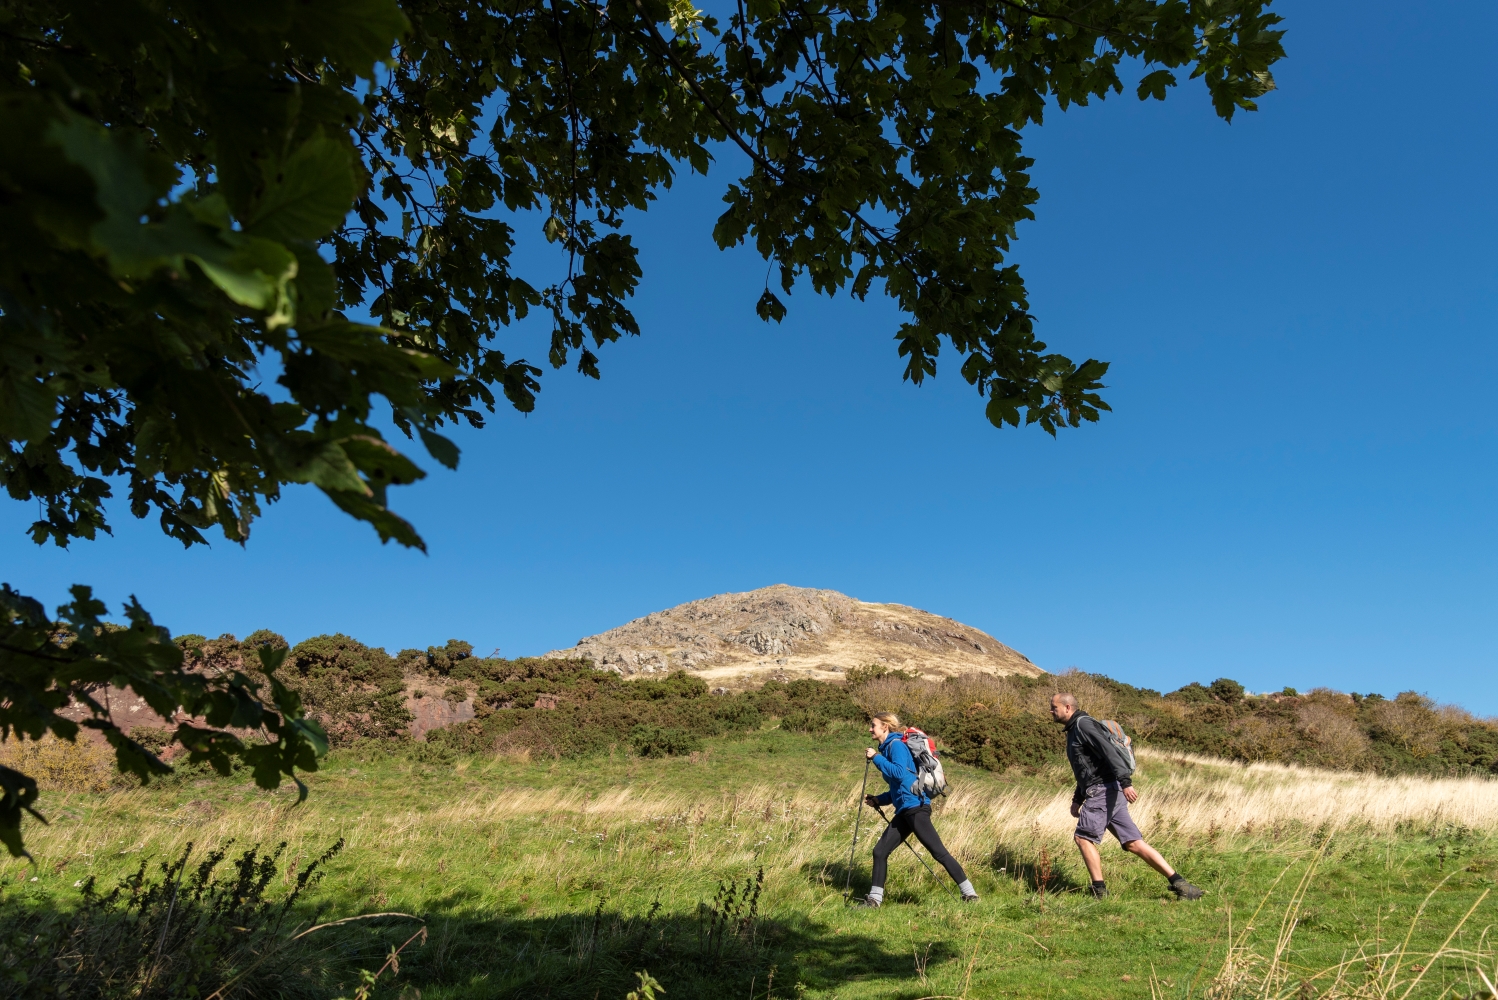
<point x="940" y="881"/>
<point x="848" y="882"/>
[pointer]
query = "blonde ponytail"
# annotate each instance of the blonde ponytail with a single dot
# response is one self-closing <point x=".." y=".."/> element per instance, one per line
<point x="890" y="719"/>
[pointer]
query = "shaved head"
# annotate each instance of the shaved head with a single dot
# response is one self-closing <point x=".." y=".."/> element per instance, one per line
<point x="1065" y="698"/>
<point x="1063" y="706"/>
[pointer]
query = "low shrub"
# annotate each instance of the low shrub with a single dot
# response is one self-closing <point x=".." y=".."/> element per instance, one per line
<point x="65" y="765"/>
<point x="659" y="741"/>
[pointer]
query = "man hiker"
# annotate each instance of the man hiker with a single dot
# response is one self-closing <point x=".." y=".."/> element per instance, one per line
<point x="912" y="809"/>
<point x="1104" y="790"/>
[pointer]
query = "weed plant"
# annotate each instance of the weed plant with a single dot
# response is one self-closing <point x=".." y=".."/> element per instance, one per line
<point x="184" y="927"/>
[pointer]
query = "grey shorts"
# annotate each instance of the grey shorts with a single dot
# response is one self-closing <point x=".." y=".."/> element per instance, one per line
<point x="1105" y="808"/>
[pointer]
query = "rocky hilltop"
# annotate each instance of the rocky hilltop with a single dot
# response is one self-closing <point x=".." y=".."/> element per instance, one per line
<point x="783" y="632"/>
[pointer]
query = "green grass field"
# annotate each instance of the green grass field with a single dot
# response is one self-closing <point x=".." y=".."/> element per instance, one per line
<point x="563" y="879"/>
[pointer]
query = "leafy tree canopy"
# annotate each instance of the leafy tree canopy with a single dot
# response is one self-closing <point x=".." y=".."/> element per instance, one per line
<point x="196" y="194"/>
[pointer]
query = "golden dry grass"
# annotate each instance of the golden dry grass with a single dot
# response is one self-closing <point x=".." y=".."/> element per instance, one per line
<point x="1182" y="795"/>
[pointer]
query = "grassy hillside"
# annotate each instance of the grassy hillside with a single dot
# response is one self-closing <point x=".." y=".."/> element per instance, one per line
<point x="563" y="708"/>
<point x="564" y="877"/>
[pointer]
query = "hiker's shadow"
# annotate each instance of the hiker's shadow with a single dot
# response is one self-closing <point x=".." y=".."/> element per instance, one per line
<point x="836" y="876"/>
<point x="598" y="951"/>
<point x="1030" y="867"/>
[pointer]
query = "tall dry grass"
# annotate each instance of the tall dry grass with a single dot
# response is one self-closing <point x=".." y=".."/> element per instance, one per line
<point x="1181" y="795"/>
<point x="1263" y="967"/>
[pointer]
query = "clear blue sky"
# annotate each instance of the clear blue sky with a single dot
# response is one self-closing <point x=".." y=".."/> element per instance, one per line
<point x="1296" y="487"/>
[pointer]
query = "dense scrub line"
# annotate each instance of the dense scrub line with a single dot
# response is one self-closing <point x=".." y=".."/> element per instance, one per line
<point x="564" y="708"/>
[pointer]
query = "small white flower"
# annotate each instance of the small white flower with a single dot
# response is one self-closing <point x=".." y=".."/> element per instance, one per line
<point x="35" y="879"/>
<point x="77" y="883"/>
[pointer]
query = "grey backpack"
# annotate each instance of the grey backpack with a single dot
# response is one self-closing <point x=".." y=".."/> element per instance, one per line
<point x="1121" y="741"/>
<point x="930" y="779"/>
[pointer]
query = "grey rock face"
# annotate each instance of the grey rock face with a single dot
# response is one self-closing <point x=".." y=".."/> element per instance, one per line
<point x="784" y="631"/>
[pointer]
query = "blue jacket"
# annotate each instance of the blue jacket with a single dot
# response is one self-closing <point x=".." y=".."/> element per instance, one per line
<point x="898" y="767"/>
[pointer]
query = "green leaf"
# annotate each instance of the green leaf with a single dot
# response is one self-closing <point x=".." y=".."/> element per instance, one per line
<point x="354" y="33"/>
<point x="309" y="195"/>
<point x="388" y="525"/>
<point x="440" y="448"/>
<point x="380" y="463"/>
<point x="769" y="307"/>
<point x="1155" y="83"/>
<point x="19" y="793"/>
<point x="316" y="284"/>
<point x="27" y="406"/>
<point x="331" y="469"/>
<point x="129" y="180"/>
<point x="313" y="733"/>
<point x="256" y="274"/>
<point x="271" y="658"/>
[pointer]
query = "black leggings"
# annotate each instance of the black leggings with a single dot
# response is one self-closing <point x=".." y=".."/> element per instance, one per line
<point x="918" y="822"/>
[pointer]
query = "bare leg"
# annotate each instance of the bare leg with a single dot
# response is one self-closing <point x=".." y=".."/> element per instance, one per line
<point x="1092" y="859"/>
<point x="1149" y="854"/>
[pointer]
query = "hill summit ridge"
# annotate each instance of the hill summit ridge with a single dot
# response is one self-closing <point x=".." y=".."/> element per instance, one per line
<point x="784" y="633"/>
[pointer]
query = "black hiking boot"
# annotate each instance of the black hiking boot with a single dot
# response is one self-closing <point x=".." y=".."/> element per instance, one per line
<point x="1098" y="890"/>
<point x="1184" y="889"/>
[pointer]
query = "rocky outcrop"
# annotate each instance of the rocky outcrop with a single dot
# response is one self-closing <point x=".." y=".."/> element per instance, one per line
<point x="736" y="640"/>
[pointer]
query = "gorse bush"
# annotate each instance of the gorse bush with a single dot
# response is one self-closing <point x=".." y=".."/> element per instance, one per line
<point x="180" y="930"/>
<point x="355" y="691"/>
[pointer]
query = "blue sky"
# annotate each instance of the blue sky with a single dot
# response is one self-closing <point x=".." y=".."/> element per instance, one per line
<point x="1296" y="486"/>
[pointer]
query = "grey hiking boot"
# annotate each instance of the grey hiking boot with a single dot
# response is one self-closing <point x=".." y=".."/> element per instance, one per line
<point x="1185" y="890"/>
<point x="970" y="897"/>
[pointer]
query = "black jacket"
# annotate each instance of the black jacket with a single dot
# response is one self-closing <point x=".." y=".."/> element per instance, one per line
<point x="1093" y="757"/>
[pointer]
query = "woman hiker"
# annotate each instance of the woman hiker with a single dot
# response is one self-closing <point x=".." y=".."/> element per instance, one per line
<point x="912" y="809"/>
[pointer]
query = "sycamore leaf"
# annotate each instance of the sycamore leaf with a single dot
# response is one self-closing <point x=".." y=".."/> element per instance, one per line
<point x="389" y="525"/>
<point x="769" y="307"/>
<point x="330" y="468"/>
<point x="354" y="33"/>
<point x="257" y="274"/>
<point x="440" y="448"/>
<point x="128" y="181"/>
<point x="26" y="405"/>
<point x="310" y="194"/>
<point x="1155" y="83"/>
<point x="381" y="464"/>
